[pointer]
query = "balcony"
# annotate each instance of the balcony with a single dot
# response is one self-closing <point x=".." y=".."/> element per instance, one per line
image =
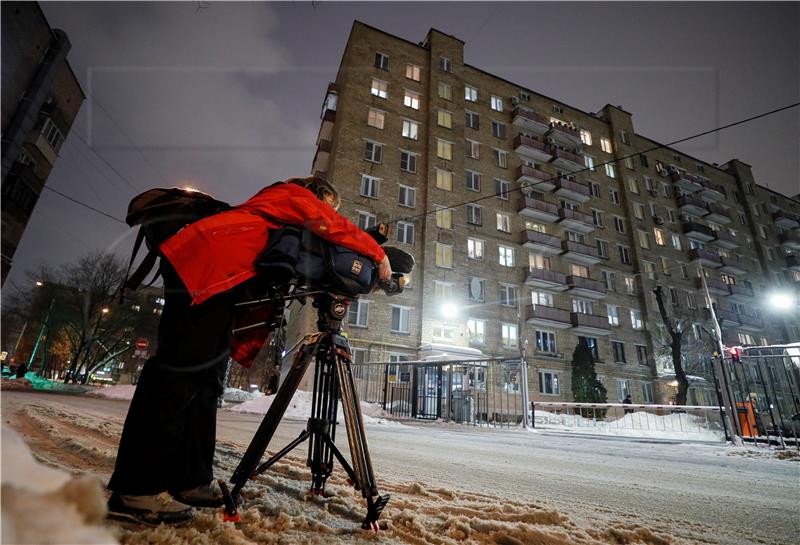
<point x="715" y="286"/>
<point x="567" y="159"/>
<point x="540" y="242"/>
<point x="718" y="214"/>
<point x="711" y="191"/>
<point x="693" y="206"/>
<point x="685" y="181"/>
<point x="705" y="258"/>
<point x="530" y="121"/>
<point x="726" y="318"/>
<point x="572" y="190"/>
<point x="576" y="221"/>
<point x="321" y="157"/>
<point x="586" y="287"/>
<point x="536" y="209"/>
<point x="546" y="279"/>
<point x="785" y="220"/>
<point x="536" y="179"/>
<point x="326" y="128"/>
<point x="540" y="315"/>
<point x="529" y="148"/>
<point x="790" y="240"/>
<point x="740" y="293"/>
<point x="565" y="134"/>
<point x="749" y="323"/>
<point x="725" y="240"/>
<point x="793" y="262"/>
<point x="590" y="324"/>
<point x="698" y="231"/>
<point x="580" y="253"/>
<point x="733" y="265"/>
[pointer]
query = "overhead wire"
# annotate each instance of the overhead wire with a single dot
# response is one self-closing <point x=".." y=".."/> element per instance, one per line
<point x="611" y="161"/>
<point x="81" y="203"/>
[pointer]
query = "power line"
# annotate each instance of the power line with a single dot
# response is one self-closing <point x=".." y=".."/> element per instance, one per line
<point x="81" y="203"/>
<point x="660" y="146"/>
<point x="109" y="165"/>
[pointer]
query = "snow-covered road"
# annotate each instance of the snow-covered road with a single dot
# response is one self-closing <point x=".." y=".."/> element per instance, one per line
<point x="560" y="488"/>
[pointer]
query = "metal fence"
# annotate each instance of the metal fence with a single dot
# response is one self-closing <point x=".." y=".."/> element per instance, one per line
<point x="692" y="422"/>
<point x="482" y="392"/>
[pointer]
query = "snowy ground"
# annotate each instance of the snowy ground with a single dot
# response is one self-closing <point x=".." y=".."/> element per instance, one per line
<point x="453" y="484"/>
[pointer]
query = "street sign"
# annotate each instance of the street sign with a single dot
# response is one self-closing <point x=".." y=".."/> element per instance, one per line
<point x="142" y="344"/>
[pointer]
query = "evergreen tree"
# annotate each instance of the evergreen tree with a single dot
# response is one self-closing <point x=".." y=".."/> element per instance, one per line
<point x="585" y="386"/>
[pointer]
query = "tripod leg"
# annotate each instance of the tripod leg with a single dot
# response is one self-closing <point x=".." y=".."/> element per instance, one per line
<point x="269" y="424"/>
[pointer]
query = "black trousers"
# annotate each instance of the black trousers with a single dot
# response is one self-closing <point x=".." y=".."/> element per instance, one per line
<point x="170" y="432"/>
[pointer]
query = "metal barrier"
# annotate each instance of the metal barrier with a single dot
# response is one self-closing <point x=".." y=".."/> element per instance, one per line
<point x="684" y="422"/>
<point x="481" y="392"/>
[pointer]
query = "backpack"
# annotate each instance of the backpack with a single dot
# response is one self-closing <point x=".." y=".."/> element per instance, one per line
<point x="160" y="213"/>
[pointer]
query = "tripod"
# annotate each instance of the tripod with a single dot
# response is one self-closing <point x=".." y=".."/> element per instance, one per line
<point x="333" y="380"/>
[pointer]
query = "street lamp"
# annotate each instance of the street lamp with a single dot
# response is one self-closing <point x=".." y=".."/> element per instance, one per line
<point x="781" y="300"/>
<point x="105" y="310"/>
<point x="449" y="310"/>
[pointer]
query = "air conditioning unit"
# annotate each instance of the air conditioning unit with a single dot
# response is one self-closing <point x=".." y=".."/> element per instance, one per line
<point x="659" y="220"/>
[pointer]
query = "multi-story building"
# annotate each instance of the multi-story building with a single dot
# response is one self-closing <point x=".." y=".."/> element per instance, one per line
<point x="533" y="220"/>
<point x="41" y="97"/>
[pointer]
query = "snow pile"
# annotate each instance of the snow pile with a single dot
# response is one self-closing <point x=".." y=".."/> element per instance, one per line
<point x="679" y="426"/>
<point x="16" y="384"/>
<point x="300" y="408"/>
<point x="235" y="395"/>
<point x="118" y="391"/>
<point x="43" y="505"/>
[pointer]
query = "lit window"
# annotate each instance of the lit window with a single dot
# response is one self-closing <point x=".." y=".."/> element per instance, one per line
<point x="633" y="185"/>
<point x="445" y="119"/>
<point x="497" y="103"/>
<point x="470" y="93"/>
<point x="636" y="319"/>
<point x="444" y="149"/>
<point x="503" y="222"/>
<point x="476" y="329"/>
<point x="586" y="137"/>
<point x="413" y="72"/>
<point x="676" y="241"/>
<point x="376" y="118"/>
<point x="589" y="161"/>
<point x="444" y="217"/>
<point x="410" y="129"/>
<point x="630" y="285"/>
<point x="370" y="186"/>
<point x="445" y="91"/>
<point x="444" y="255"/>
<point x="408" y="161"/>
<point x="661" y="240"/>
<point x="444" y="179"/>
<point x="380" y="88"/>
<point x="408" y="196"/>
<point x="610" y="170"/>
<point x="605" y="145"/>
<point x="505" y="256"/>
<point x="508" y="335"/>
<point x="474" y="248"/>
<point x="411" y="99"/>
<point x="613" y="314"/>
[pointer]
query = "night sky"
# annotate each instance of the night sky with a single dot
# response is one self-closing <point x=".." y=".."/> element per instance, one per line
<point x="227" y="97"/>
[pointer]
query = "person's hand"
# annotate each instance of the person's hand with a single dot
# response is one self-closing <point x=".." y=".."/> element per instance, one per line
<point x="384" y="270"/>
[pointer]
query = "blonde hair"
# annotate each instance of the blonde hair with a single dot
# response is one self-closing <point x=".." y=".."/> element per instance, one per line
<point x="320" y="187"/>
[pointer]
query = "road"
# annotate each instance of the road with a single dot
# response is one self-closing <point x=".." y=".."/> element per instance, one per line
<point x="684" y="493"/>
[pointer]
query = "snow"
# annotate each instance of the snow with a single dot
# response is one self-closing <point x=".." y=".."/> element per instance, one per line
<point x="637" y="424"/>
<point x="300" y="408"/>
<point x="235" y="395"/>
<point x="44" y="505"/>
<point x="452" y="484"/>
<point x="118" y="391"/>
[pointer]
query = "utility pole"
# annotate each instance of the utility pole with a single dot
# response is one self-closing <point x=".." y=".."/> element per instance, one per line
<point x="42" y="331"/>
<point x="727" y="394"/>
<point x="523" y="367"/>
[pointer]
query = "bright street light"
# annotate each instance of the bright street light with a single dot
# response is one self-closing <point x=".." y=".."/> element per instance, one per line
<point x="782" y="301"/>
<point x="39" y="283"/>
<point x="105" y="310"/>
<point x="449" y="310"/>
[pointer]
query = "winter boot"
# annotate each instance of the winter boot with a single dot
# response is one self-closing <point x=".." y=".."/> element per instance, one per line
<point x="204" y="495"/>
<point x="153" y="509"/>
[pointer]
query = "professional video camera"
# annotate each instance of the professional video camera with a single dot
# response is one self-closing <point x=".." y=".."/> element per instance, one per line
<point x="297" y="265"/>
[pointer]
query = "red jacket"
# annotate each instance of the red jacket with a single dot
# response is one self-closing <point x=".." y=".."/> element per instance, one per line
<point x="219" y="252"/>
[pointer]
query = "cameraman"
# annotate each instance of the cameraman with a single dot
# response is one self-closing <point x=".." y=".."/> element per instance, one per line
<point x="165" y="456"/>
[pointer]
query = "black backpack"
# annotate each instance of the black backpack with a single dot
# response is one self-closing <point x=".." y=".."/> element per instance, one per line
<point x="160" y="213"/>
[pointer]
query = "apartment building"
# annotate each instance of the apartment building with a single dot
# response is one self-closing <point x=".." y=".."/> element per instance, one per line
<point x="534" y="224"/>
<point x="41" y="97"/>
